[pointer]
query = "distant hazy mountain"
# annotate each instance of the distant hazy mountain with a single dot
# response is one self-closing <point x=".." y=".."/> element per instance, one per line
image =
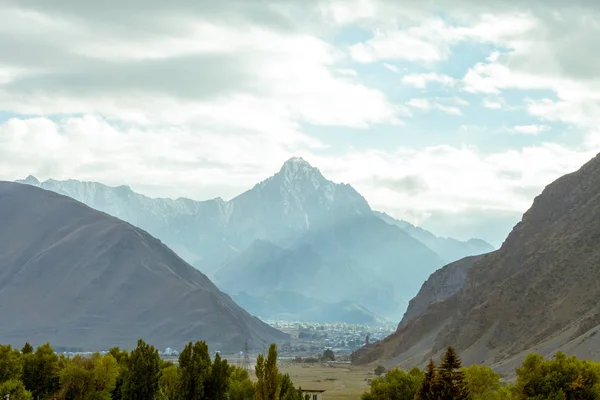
<point x="206" y="233"/>
<point x="318" y="238"/>
<point x="79" y="278"/>
<point x="448" y="249"/>
<point x="291" y="306"/>
<point x="538" y="293"/>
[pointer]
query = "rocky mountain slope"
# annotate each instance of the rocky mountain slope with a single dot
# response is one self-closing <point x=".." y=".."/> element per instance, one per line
<point x="539" y="292"/>
<point x="442" y="284"/>
<point x="77" y="277"/>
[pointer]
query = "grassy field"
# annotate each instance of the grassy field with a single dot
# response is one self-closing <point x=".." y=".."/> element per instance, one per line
<point x="340" y="381"/>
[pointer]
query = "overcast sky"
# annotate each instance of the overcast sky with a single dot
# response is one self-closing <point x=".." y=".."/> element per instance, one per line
<point x="448" y="114"/>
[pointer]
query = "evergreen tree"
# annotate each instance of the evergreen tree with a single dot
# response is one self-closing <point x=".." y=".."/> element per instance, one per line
<point x="141" y="380"/>
<point x="449" y="382"/>
<point x="27" y="348"/>
<point x="195" y="371"/>
<point x="425" y="391"/>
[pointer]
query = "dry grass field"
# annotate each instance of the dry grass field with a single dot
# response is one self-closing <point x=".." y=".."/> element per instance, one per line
<point x="340" y="381"/>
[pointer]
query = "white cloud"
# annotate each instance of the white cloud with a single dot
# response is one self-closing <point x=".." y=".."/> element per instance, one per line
<point x="422" y="80"/>
<point x="424" y="104"/>
<point x="492" y="104"/>
<point x="391" y="67"/>
<point x="531" y="129"/>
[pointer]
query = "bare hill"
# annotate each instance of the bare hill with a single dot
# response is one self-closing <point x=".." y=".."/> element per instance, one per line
<point x="78" y="277"/>
<point x="539" y="292"/>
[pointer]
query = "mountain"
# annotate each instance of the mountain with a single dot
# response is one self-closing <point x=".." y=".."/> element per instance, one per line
<point x="293" y="231"/>
<point x="279" y="209"/>
<point x="207" y="233"/>
<point x="442" y="284"/>
<point x="80" y="278"/>
<point x="448" y="249"/>
<point x="291" y="306"/>
<point x="538" y="293"/>
<point x="360" y="259"/>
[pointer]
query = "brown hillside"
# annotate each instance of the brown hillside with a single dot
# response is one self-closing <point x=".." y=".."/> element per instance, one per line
<point x="79" y="278"/>
<point x="539" y="292"/>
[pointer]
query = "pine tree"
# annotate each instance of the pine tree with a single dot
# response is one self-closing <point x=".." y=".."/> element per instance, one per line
<point x="449" y="382"/>
<point x="425" y="391"/>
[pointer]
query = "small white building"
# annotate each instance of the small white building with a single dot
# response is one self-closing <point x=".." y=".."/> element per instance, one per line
<point x="315" y="394"/>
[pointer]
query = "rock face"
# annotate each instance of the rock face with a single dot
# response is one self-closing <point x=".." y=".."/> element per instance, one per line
<point x="442" y="284"/>
<point x="539" y="292"/>
<point x="80" y="278"/>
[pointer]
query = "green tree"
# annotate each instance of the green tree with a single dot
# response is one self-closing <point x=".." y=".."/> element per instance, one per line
<point x="169" y="382"/>
<point x="379" y="370"/>
<point x="141" y="379"/>
<point x="27" y="348"/>
<point x="482" y="382"/>
<point x="268" y="385"/>
<point x="395" y="385"/>
<point x="449" y="382"/>
<point x="218" y="383"/>
<point x="561" y="378"/>
<point x="328" y="355"/>
<point x="15" y="389"/>
<point x="40" y="372"/>
<point x="90" y="378"/>
<point x="195" y="371"/>
<point x="240" y="385"/>
<point x="11" y="366"/>
<point x="122" y="358"/>
<point x="425" y="391"/>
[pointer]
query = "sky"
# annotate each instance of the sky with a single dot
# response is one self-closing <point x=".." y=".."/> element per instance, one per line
<point x="452" y="115"/>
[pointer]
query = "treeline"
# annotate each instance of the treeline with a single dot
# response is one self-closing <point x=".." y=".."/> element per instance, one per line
<point x="138" y="375"/>
<point x="560" y="378"/>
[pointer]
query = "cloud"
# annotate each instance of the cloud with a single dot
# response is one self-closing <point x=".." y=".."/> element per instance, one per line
<point x="424" y="104"/>
<point x="201" y="99"/>
<point x="171" y="67"/>
<point x="411" y="185"/>
<point x="530" y="129"/>
<point x="391" y="67"/>
<point x="492" y="104"/>
<point x="422" y="80"/>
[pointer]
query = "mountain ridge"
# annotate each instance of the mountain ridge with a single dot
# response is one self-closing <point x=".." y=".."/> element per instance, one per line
<point x="171" y="220"/>
<point x="82" y="278"/>
<point x="535" y="294"/>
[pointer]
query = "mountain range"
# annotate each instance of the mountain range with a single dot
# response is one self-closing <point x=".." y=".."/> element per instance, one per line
<point x="80" y="278"/>
<point x="295" y="231"/>
<point x="538" y="293"/>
